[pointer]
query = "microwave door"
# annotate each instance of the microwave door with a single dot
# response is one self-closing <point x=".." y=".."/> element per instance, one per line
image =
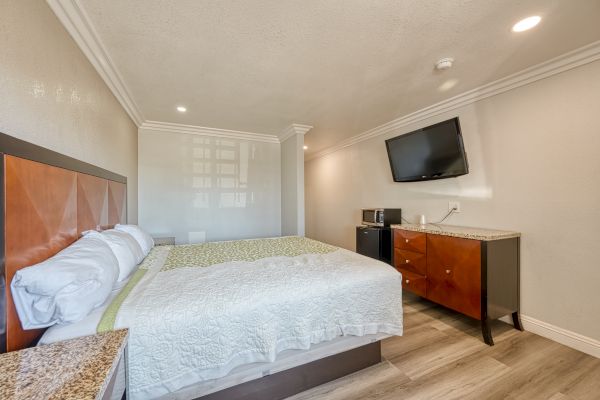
<point x="372" y="217"/>
<point x="369" y="216"/>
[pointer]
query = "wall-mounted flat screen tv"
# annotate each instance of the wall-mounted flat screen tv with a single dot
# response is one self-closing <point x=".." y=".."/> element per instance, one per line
<point x="434" y="152"/>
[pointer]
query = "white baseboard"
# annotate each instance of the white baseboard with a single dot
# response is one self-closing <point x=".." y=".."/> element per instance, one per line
<point x="563" y="336"/>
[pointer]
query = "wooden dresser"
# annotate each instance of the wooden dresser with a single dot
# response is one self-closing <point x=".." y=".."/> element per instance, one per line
<point x="473" y="271"/>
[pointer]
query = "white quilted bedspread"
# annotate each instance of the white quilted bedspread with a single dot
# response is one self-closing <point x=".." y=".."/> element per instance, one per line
<point x="192" y="324"/>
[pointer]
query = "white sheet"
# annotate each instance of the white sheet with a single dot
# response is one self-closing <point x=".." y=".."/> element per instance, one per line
<point x="285" y="360"/>
<point x="193" y="324"/>
<point x="189" y="325"/>
<point x="87" y="326"/>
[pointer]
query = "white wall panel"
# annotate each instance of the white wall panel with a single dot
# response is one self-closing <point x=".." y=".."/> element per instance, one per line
<point x="205" y="188"/>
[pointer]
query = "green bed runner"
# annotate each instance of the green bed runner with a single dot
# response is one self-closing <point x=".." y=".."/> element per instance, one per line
<point x="107" y="322"/>
<point x="207" y="254"/>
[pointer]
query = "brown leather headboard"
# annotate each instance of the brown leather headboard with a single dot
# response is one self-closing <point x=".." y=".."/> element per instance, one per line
<point x="48" y="200"/>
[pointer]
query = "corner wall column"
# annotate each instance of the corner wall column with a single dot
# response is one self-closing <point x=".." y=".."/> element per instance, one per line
<point x="292" y="179"/>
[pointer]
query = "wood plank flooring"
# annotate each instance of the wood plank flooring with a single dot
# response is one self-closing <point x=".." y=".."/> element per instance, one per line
<point x="442" y="356"/>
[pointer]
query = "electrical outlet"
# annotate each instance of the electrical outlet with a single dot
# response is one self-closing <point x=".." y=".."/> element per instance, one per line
<point x="454" y="205"/>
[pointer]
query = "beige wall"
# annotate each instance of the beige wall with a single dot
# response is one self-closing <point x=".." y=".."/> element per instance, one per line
<point x="534" y="155"/>
<point x="51" y="95"/>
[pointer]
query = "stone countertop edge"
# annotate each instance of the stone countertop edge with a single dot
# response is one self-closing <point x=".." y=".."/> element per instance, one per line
<point x="464" y="232"/>
<point x="30" y="371"/>
<point x="120" y="354"/>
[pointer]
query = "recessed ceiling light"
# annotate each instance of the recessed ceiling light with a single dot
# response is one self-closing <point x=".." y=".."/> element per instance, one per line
<point x="526" y="23"/>
<point x="305" y="147"/>
<point x="449" y="84"/>
<point x="181" y="109"/>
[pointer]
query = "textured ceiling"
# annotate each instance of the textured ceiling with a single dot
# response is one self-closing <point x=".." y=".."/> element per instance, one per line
<point x="343" y="66"/>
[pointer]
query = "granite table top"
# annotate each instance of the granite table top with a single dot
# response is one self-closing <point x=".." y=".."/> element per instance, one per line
<point x="76" y="369"/>
<point x="459" y="231"/>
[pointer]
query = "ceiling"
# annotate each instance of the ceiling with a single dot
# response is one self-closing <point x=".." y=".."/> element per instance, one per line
<point x="342" y="66"/>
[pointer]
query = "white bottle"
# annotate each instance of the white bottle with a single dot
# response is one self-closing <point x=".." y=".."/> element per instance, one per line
<point x="422" y="220"/>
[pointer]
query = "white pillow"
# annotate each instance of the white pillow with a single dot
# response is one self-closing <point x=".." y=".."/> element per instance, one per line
<point x="67" y="286"/>
<point x="126" y="249"/>
<point x="144" y="240"/>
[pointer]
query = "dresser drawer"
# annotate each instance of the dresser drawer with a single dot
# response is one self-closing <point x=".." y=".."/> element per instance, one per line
<point x="414" y="283"/>
<point x="454" y="273"/>
<point x="410" y="260"/>
<point x="411" y="241"/>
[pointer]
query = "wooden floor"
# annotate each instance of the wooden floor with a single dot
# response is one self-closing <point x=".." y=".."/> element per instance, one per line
<point x="442" y="356"/>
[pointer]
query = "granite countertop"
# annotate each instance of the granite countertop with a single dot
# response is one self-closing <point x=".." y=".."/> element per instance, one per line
<point x="74" y="369"/>
<point x="464" y="232"/>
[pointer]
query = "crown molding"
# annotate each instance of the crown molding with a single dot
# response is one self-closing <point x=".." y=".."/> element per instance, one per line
<point x="205" y="131"/>
<point x="78" y="24"/>
<point x="581" y="56"/>
<point x="292" y="130"/>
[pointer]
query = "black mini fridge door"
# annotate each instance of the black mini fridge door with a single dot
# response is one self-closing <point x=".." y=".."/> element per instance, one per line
<point x="368" y="240"/>
<point x="374" y="242"/>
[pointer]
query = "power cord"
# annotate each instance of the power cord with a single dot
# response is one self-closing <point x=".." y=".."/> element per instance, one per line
<point x="438" y="222"/>
<point x="405" y="220"/>
<point x="445" y="216"/>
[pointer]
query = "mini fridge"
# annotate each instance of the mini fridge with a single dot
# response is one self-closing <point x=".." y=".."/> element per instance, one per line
<point x="374" y="242"/>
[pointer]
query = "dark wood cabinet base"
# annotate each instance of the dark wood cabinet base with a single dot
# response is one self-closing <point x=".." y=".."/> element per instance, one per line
<point x="478" y="278"/>
<point x="486" y="332"/>
<point x="517" y="321"/>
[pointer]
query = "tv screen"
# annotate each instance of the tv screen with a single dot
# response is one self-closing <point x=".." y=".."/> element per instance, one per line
<point x="434" y="152"/>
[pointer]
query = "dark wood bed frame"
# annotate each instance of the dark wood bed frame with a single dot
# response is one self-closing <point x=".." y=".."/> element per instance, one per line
<point x="48" y="199"/>
<point x="295" y="380"/>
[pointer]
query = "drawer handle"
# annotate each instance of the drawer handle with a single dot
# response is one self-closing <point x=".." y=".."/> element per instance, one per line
<point x="448" y="271"/>
<point x="407" y="281"/>
<point x="407" y="261"/>
<point x="406" y="240"/>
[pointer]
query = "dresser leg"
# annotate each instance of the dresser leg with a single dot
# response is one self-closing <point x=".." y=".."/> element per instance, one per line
<point x="487" y="333"/>
<point x="517" y="321"/>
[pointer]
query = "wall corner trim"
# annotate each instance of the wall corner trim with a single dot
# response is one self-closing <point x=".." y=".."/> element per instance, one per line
<point x="205" y="131"/>
<point x="292" y="130"/>
<point x="78" y="24"/>
<point x="560" y="335"/>
<point x="578" y="57"/>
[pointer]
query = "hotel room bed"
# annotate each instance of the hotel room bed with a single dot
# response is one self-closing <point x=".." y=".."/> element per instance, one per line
<point x="263" y="318"/>
<point x="199" y="314"/>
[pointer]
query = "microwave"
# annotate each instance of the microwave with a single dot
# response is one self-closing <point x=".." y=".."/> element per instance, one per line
<point x="381" y="216"/>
